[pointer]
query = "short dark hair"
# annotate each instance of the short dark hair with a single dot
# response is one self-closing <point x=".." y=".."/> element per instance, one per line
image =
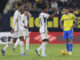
<point x="66" y="7"/>
<point x="44" y="7"/>
<point x="26" y="9"/>
<point x="19" y="4"/>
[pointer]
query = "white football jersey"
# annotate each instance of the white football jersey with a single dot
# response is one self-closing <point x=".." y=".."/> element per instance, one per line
<point x="24" y="21"/>
<point x="43" y="22"/>
<point x="16" y="21"/>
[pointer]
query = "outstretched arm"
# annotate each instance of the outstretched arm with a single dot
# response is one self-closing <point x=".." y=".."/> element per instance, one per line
<point x="52" y="15"/>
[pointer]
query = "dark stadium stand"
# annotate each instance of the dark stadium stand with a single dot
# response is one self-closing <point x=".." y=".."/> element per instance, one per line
<point x="5" y="17"/>
<point x="2" y="5"/>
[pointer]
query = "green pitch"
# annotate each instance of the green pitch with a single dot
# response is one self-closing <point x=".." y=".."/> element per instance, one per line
<point x="53" y="51"/>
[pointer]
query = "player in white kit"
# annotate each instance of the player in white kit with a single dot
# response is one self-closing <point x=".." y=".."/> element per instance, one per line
<point x="17" y="30"/>
<point x="24" y="19"/>
<point x="43" y="29"/>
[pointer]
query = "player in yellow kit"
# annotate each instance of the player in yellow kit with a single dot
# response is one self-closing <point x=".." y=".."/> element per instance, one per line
<point x="67" y="23"/>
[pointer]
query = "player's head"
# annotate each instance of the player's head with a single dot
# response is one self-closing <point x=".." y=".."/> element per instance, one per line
<point x="26" y="12"/>
<point x="66" y="10"/>
<point x="20" y="6"/>
<point x="44" y="8"/>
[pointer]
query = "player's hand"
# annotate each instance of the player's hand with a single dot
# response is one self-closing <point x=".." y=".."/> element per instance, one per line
<point x="28" y="13"/>
<point x="12" y="31"/>
<point x="57" y="9"/>
<point x="72" y="27"/>
<point x="62" y="27"/>
<point x="25" y="27"/>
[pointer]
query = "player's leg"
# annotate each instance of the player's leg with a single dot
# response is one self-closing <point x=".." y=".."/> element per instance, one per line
<point x="70" y="46"/>
<point x="70" y="37"/>
<point x="66" y="40"/>
<point x="38" y="49"/>
<point x="44" y="47"/>
<point x="41" y="46"/>
<point x="7" y="46"/>
<point x="26" y="37"/>
<point x="27" y="40"/>
<point x="11" y="42"/>
<point x="27" y="43"/>
<point x="67" y="45"/>
<point x="22" y="46"/>
<point x="16" y="44"/>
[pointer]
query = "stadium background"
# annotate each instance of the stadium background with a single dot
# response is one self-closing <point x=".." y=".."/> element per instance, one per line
<point x="55" y="32"/>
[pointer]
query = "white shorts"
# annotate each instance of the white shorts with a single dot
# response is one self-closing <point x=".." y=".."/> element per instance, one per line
<point x="17" y="34"/>
<point x="44" y="36"/>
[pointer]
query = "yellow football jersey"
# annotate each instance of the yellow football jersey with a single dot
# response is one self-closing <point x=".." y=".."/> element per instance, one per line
<point x="68" y="20"/>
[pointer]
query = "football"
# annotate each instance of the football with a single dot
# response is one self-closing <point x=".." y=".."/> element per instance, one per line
<point x="64" y="52"/>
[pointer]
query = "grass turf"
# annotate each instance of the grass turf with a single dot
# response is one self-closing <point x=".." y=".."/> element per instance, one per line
<point x="53" y="51"/>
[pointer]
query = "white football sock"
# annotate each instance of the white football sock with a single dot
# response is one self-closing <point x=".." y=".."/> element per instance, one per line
<point x="43" y="43"/>
<point x="43" y="48"/>
<point x="7" y="45"/>
<point x="27" y="43"/>
<point x="17" y="43"/>
<point x="22" y="47"/>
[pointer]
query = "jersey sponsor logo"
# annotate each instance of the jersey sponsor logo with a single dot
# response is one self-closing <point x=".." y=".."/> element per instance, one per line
<point x="67" y="19"/>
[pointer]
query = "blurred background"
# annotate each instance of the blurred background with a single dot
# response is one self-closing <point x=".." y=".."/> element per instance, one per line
<point x="11" y="5"/>
<point x="7" y="8"/>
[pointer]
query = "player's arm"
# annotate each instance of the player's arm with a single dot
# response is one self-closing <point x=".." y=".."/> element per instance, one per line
<point x="26" y="22"/>
<point x="52" y="15"/>
<point x="61" y="23"/>
<point x="14" y="21"/>
<point x="74" y="22"/>
<point x="28" y="14"/>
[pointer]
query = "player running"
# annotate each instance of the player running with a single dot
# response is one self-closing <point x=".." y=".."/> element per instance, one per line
<point x="43" y="29"/>
<point x="67" y="23"/>
<point x="17" y="30"/>
<point x="24" y="19"/>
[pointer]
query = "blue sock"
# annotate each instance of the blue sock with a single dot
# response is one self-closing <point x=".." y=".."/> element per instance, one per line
<point x="67" y="47"/>
<point x="70" y="47"/>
